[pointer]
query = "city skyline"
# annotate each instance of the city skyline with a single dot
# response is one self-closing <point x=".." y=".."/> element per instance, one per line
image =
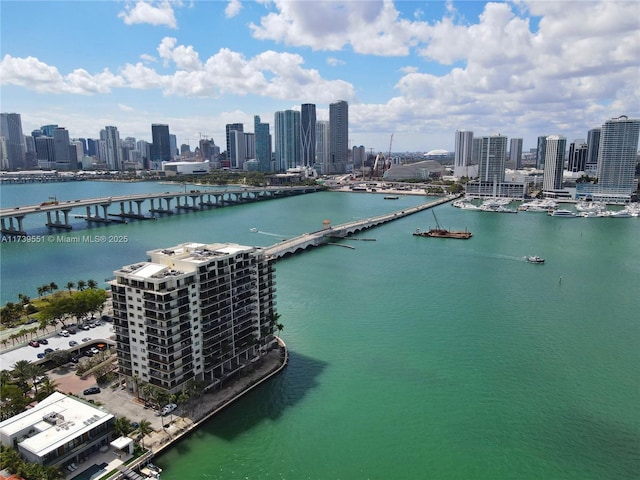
<point x="520" y="70"/>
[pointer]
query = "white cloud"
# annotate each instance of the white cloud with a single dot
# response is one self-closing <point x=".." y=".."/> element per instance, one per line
<point x="35" y="75"/>
<point x="125" y="108"/>
<point x="148" y="58"/>
<point x="185" y="58"/>
<point x="370" y="27"/>
<point x="153" y="13"/>
<point x="233" y="8"/>
<point x="334" y="62"/>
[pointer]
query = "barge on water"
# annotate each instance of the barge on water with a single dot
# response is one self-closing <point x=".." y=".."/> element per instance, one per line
<point x="440" y="232"/>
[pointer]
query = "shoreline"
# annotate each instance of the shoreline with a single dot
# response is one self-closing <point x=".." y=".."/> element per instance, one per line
<point x="210" y="405"/>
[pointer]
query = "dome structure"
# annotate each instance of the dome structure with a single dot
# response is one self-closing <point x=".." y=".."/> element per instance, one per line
<point x="437" y="153"/>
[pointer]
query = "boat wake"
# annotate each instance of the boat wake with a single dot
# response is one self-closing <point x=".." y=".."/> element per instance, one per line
<point x="255" y="230"/>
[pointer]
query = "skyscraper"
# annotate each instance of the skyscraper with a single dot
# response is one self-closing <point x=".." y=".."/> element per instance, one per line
<point x="515" y="152"/>
<point x="593" y="142"/>
<point x="229" y="128"/>
<point x="263" y="144"/>
<point x="322" y="146"/>
<point x="541" y="151"/>
<point x="308" y="134"/>
<point x="193" y="312"/>
<point x="11" y="130"/>
<point x="161" y="143"/>
<point x="338" y="137"/>
<point x="237" y="149"/>
<point x="113" y="152"/>
<point x="577" y="159"/>
<point x="618" y="155"/>
<point x="556" y="146"/>
<point x="493" y="152"/>
<point x="287" y="140"/>
<point x="464" y="143"/>
<point x="64" y="159"/>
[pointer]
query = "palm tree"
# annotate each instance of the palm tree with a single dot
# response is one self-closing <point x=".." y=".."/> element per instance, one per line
<point x="70" y="285"/>
<point x="122" y="426"/>
<point x="53" y="286"/>
<point x="81" y="285"/>
<point x="280" y="327"/>
<point x="92" y="284"/>
<point x="22" y="371"/>
<point x="40" y="292"/>
<point x="48" y="386"/>
<point x="144" y="428"/>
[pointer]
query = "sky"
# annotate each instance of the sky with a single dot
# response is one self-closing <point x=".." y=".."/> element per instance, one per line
<point x="417" y="70"/>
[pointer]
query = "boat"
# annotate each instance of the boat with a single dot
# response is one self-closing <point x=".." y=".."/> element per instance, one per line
<point x="254" y="230"/>
<point x="620" y="214"/>
<point x="534" y="259"/>
<point x="391" y="197"/>
<point x="563" y="213"/>
<point x="440" y="232"/>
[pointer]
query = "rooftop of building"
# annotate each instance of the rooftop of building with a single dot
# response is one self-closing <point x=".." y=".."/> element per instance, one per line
<point x="53" y="422"/>
<point x="180" y="259"/>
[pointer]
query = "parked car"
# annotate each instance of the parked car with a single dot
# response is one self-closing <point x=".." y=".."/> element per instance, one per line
<point x="84" y="327"/>
<point x="48" y="350"/>
<point x="86" y="339"/>
<point x="95" y="351"/>
<point x="88" y="353"/>
<point x="101" y="346"/>
<point x="41" y="355"/>
<point x="63" y="333"/>
<point x="75" y="359"/>
<point x="34" y="343"/>
<point x="43" y="341"/>
<point x="167" y="409"/>
<point x="91" y="390"/>
<point x="73" y="343"/>
<point x="72" y="330"/>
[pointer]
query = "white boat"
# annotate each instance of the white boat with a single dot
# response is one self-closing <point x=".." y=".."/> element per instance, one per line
<point x="620" y="214"/>
<point x="563" y="213"/>
<point x="534" y="259"/>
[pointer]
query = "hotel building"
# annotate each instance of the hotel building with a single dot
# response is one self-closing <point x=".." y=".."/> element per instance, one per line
<point x="193" y="312"/>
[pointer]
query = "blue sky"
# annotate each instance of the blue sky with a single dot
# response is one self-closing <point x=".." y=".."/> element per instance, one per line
<point x="419" y="70"/>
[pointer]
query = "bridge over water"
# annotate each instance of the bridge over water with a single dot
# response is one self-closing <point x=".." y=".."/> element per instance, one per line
<point x="326" y="235"/>
<point x="96" y="210"/>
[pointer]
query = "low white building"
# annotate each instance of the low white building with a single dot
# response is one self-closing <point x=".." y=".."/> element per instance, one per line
<point x="58" y="431"/>
<point x="185" y="168"/>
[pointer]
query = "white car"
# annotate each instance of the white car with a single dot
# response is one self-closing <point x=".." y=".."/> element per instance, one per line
<point x="167" y="409"/>
<point x="63" y="333"/>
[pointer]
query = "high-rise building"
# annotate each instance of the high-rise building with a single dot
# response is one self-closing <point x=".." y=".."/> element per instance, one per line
<point x="577" y="160"/>
<point x="229" y="128"/>
<point x="358" y="156"/>
<point x="237" y="149"/>
<point x="287" y="139"/>
<point x="464" y="143"/>
<point x="338" y="137"/>
<point x="493" y="153"/>
<point x="61" y="144"/>
<point x="515" y="152"/>
<point x="308" y="134"/>
<point x="322" y="146"/>
<point x="476" y="149"/>
<point x="593" y="142"/>
<point x="556" y="146"/>
<point x="45" y="152"/>
<point x="173" y="145"/>
<point x="541" y="151"/>
<point x="11" y="130"/>
<point x="47" y="130"/>
<point x="161" y="143"/>
<point x="618" y="155"/>
<point x="113" y="150"/>
<point x="263" y="144"/>
<point x="193" y="312"/>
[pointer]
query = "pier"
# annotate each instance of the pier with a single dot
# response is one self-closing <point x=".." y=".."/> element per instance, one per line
<point x="96" y="210"/>
<point x="327" y="235"/>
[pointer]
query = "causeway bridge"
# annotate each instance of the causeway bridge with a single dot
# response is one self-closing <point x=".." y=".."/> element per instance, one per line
<point x="101" y="210"/>
<point x="326" y="235"/>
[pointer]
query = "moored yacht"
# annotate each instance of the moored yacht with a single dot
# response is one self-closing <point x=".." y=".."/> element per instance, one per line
<point x="563" y="213"/>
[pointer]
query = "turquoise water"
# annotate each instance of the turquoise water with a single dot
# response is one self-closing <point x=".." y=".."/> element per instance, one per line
<point x="413" y="358"/>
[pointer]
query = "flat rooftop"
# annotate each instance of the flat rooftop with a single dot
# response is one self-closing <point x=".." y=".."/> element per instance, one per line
<point x="53" y="422"/>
